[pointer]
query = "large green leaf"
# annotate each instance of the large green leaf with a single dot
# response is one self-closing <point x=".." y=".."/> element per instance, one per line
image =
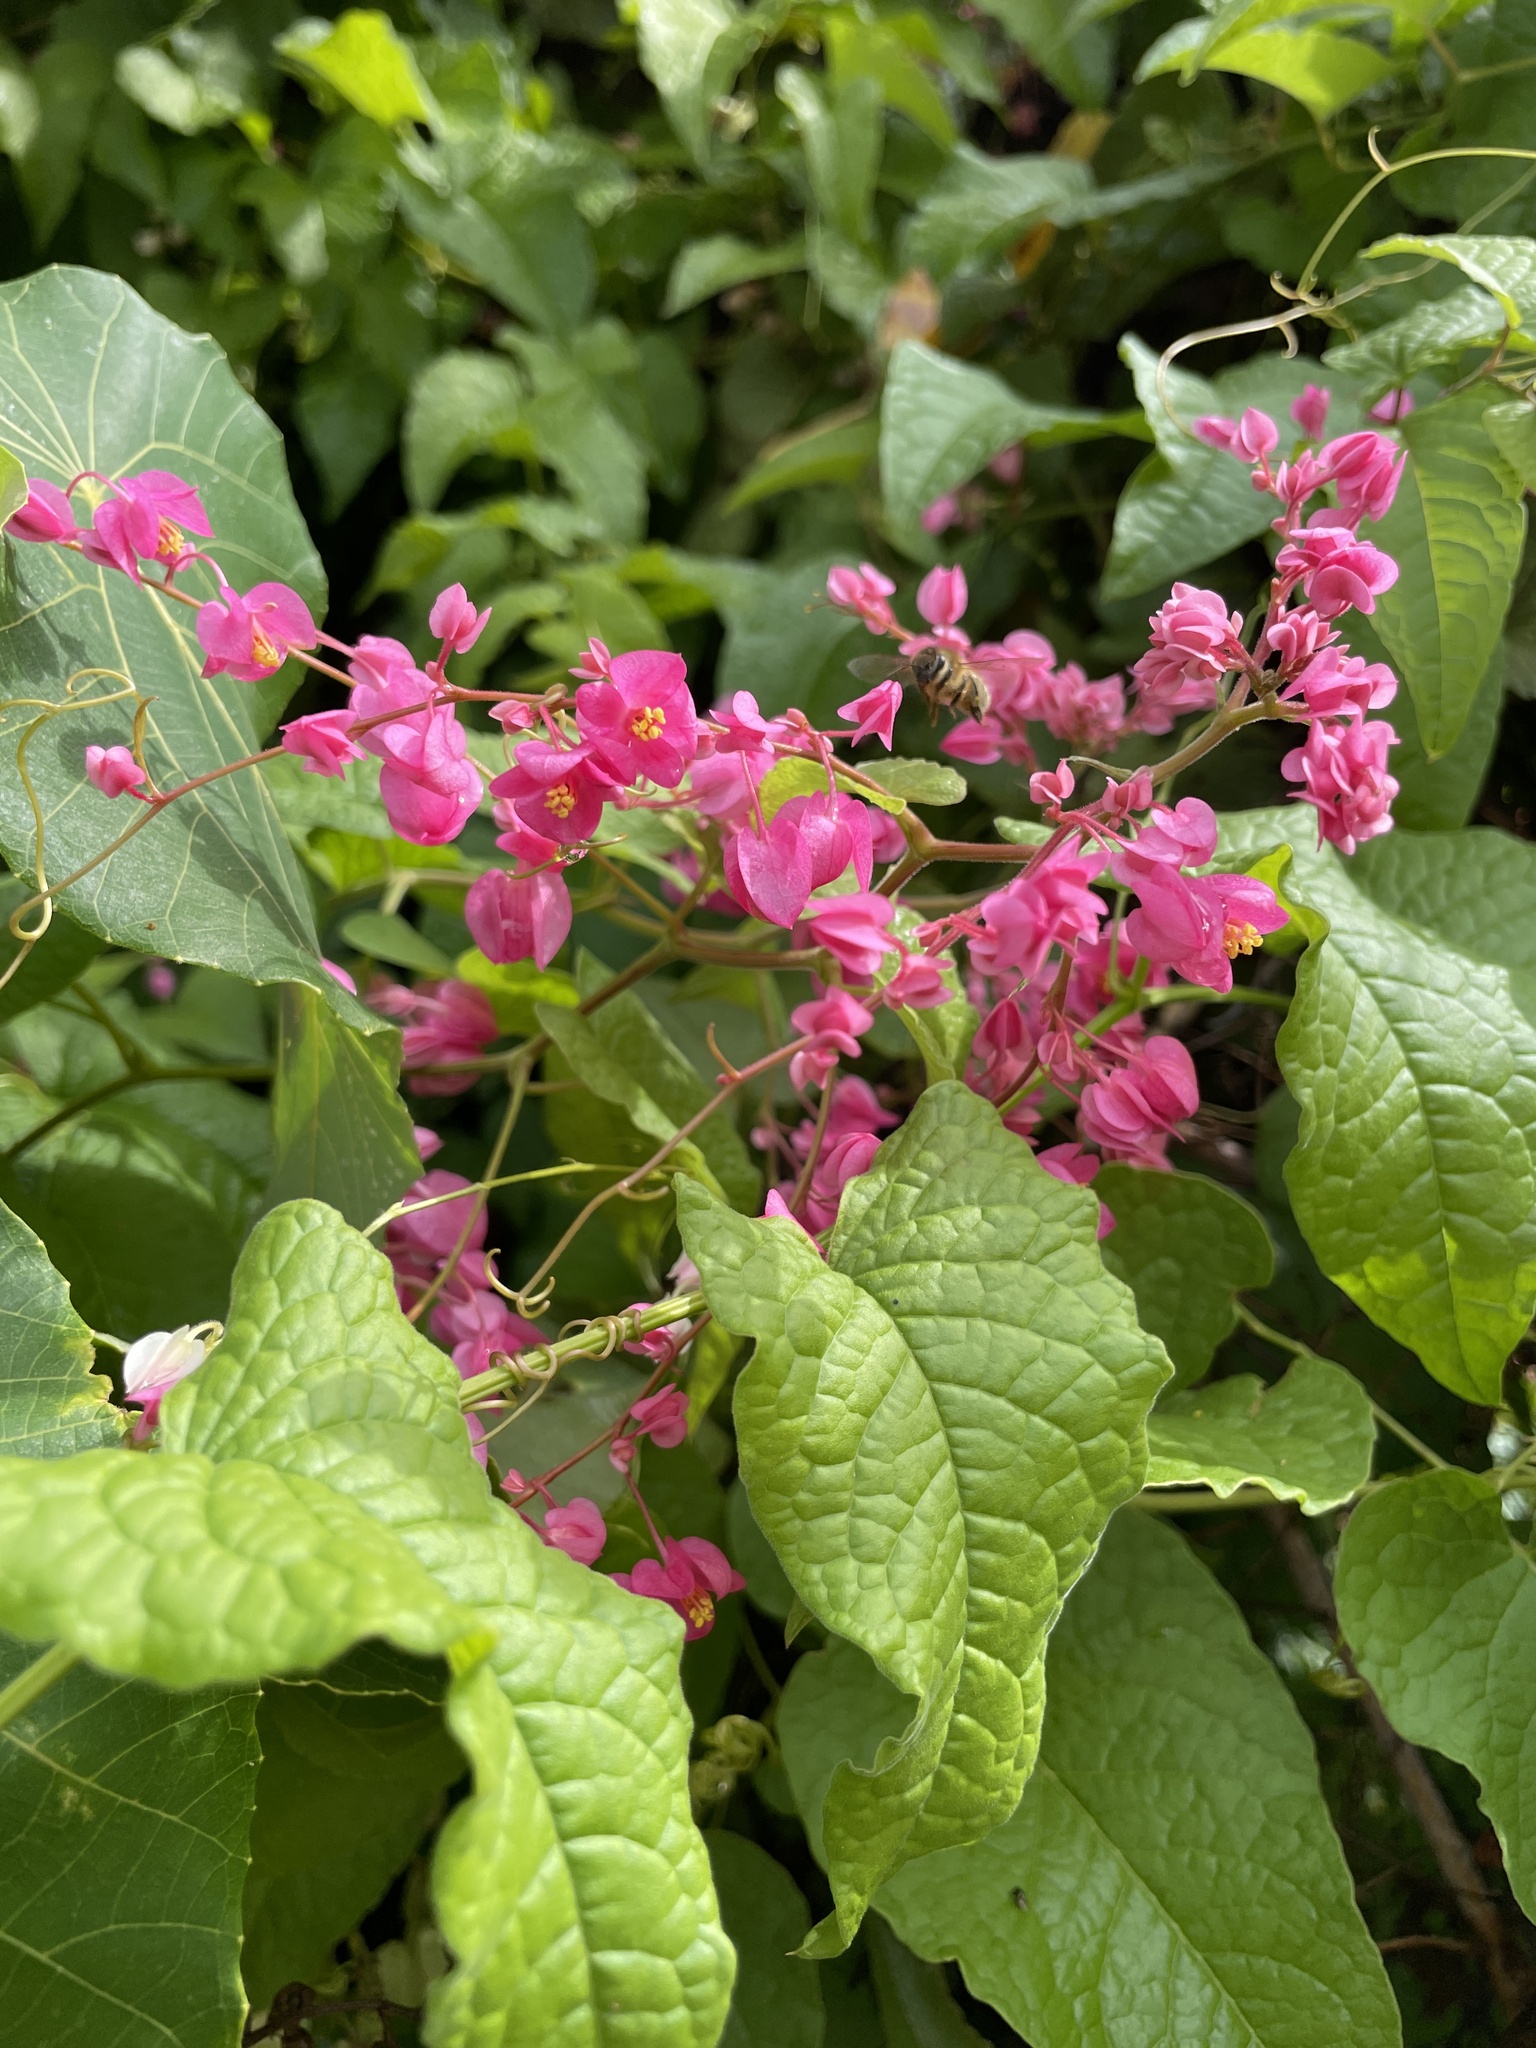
<point x="51" y="1402"/>
<point x="691" y="50"/>
<point x="1079" y="61"/>
<point x="777" y="2002"/>
<point x="1438" y="1603"/>
<point x="978" y="204"/>
<point x="340" y="1131"/>
<point x="1455" y="531"/>
<point x="91" y="378"/>
<point x="52" y="964"/>
<point x="1411" y="1048"/>
<point x="1309" y="1438"/>
<point x="572" y="1885"/>
<point x="1171" y="1874"/>
<point x="1185" y="1246"/>
<point x="935" y="1425"/>
<point x="353" y="1760"/>
<point x="1435" y="331"/>
<point x="1502" y="265"/>
<point x="1323" y="70"/>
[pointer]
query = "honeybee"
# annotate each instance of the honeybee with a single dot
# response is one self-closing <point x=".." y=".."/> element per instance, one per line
<point x="943" y="683"/>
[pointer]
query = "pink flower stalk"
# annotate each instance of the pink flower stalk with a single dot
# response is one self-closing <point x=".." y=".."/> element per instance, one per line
<point x="1344" y="768"/>
<point x="1054" y="905"/>
<point x="662" y="1416"/>
<point x="1337" y="570"/>
<point x="641" y="721"/>
<point x="322" y="742"/>
<point x="694" y="1576"/>
<point x="578" y="1529"/>
<point x="874" y="714"/>
<point x="454" y="621"/>
<point x="1195" y="641"/>
<point x="46" y="516"/>
<point x="1198" y="924"/>
<point x="1310" y="411"/>
<point x="852" y="929"/>
<point x="1337" y="685"/>
<point x="556" y="791"/>
<point x="1132" y="1113"/>
<point x="429" y="786"/>
<point x="942" y="596"/>
<point x="113" y="770"/>
<point x="836" y="1023"/>
<point x="941" y="514"/>
<point x="148" y="518"/>
<point x="594" y="664"/>
<point x="519" y="917"/>
<point x="720" y="785"/>
<point x="865" y="593"/>
<point x="250" y="637"/>
<point x="1052" y="788"/>
<point x="1366" y="469"/>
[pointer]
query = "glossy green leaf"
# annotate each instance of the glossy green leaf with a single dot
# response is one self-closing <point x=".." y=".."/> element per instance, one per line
<point x="1438" y="1603"/>
<point x="1411" y="1047"/>
<point x="703" y="269"/>
<point x="835" y="451"/>
<point x="63" y="952"/>
<point x="516" y="989"/>
<point x="1323" y="70"/>
<point x="691" y="51"/>
<point x="841" y="131"/>
<point x="1502" y="265"/>
<point x="942" y="421"/>
<point x="353" y="1761"/>
<point x="1185" y="1246"/>
<point x="571" y="1886"/>
<point x="1435" y="331"/>
<point x="361" y="59"/>
<point x="1440" y="795"/>
<point x="917" y="782"/>
<point x="917" y="2007"/>
<point x="798" y="775"/>
<point x="51" y="1402"/>
<point x="1456" y="530"/>
<point x="348" y="413"/>
<point x="1171" y="1873"/>
<point x="386" y="935"/>
<point x="90" y="377"/>
<point x="463" y="402"/>
<point x="1512" y="429"/>
<point x="777" y="2000"/>
<point x="877" y="51"/>
<point x="1079" y="61"/>
<point x="1309" y="1438"/>
<point x="936" y="1423"/>
<point x="980" y="204"/>
<point x="340" y="1131"/>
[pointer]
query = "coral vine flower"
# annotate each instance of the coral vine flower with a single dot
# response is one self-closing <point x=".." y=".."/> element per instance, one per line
<point x="556" y="791"/>
<point x="836" y="1022"/>
<point x="1344" y="768"/>
<point x="1131" y="1114"/>
<point x="865" y="593"/>
<point x="249" y="637"/>
<point x="640" y="721"/>
<point x="1310" y="411"/>
<point x="148" y="517"/>
<point x="852" y="929"/>
<point x="1366" y="469"/>
<point x="578" y="1529"/>
<point x="154" y="1364"/>
<point x="1198" y="924"/>
<point x="1022" y="922"/>
<point x="455" y="621"/>
<point x="663" y="1417"/>
<point x="113" y="770"/>
<point x="519" y="917"/>
<point x="322" y="742"/>
<point x="942" y="596"/>
<point x="694" y="1576"/>
<point x="1336" y="569"/>
<point x="47" y="514"/>
<point x="874" y="714"/>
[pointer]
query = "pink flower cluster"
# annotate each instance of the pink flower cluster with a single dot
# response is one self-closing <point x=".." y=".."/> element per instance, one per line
<point x="443" y="1022"/>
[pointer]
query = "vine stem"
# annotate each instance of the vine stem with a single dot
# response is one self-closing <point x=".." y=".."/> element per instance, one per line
<point x="595" y="1341"/>
<point x="31" y="1684"/>
<point x="1246" y="1316"/>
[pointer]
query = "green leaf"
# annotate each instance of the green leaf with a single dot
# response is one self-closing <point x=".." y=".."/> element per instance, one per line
<point x="1089" y="1919"/>
<point x="1438" y="1603"/>
<point x="1079" y="62"/>
<point x="797" y="775"/>
<point x="126" y="1814"/>
<point x="1323" y="70"/>
<point x="347" y="412"/>
<point x="1512" y="430"/>
<point x="68" y="79"/>
<point x="979" y="205"/>
<point x="51" y="1402"/>
<point x="63" y="952"/>
<point x="463" y="402"/>
<point x="187" y="101"/>
<point x="754" y="1557"/>
<point x="832" y="451"/>
<point x="571" y="1885"/>
<point x="1309" y="1438"/>
<point x="386" y="935"/>
<point x="1502" y="265"/>
<point x="842" y="133"/>
<point x="1411" y="1048"/>
<point x="862" y="49"/>
<point x="363" y="61"/>
<point x="917" y="2008"/>
<point x="1440" y="795"/>
<point x="691" y="50"/>
<point x="917" y="782"/>
<point x="340" y="1130"/>
<point x="1185" y="1246"/>
<point x="91" y="378"/>
<point x="1435" y="331"/>
<point x="578" y="434"/>
<point x="1455" y="530"/>
<point x="353" y="1761"/>
<point x="516" y="989"/>
<point x="777" y="2000"/>
<point x="703" y="269"/>
<point x="935" y="1425"/>
<point x="941" y="421"/>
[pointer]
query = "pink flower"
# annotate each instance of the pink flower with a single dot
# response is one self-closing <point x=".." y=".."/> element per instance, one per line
<point x="428" y="1143"/>
<point x="518" y="917"/>
<point x="417" y="1244"/>
<point x="447" y="1021"/>
<point x="1337" y="570"/>
<point x="429" y="787"/>
<point x="1074" y="1166"/>
<point x="1215" y="431"/>
<point x="1087" y="716"/>
<point x="835" y="1022"/>
<point x="47" y="514"/>
<point x="1344" y="768"/>
<point x="154" y="1364"/>
<point x="1052" y="905"/>
<point x="865" y="592"/>
<point x="250" y="637"/>
<point x="340" y="975"/>
<point x="1131" y="1114"/>
<point x="663" y="1417"/>
<point x="1297" y="635"/>
<point x="1183" y="837"/>
<point x="1395" y="405"/>
<point x="149" y="517"/>
<point x="1052" y="787"/>
<point x="112" y="770"/>
<point x="1255" y="435"/>
<point x="852" y="929"/>
<point x="578" y="1529"/>
<point x="811" y="841"/>
<point x="874" y="713"/>
<point x="942" y="596"/>
<point x="455" y="621"/>
<point x="977" y="740"/>
<point x="322" y="742"/>
<point x="1134" y="794"/>
<point x="387" y="680"/>
<point x="1366" y="468"/>
<point x="842" y="1160"/>
<point x="594" y="664"/>
<point x="941" y="515"/>
<point x="641" y="722"/>
<point x="1009" y="466"/>
<point x="475" y="1322"/>
<point x="1338" y="685"/>
<point x="1198" y="924"/>
<point x="1310" y="411"/>
<point x="1195" y="640"/>
<point x="693" y="1578"/>
<point x="917" y="984"/>
<point x="556" y="791"/>
<point x="160" y="980"/>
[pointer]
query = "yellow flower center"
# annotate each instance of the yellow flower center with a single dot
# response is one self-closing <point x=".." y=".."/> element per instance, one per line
<point x="172" y="541"/>
<point x="264" y="649"/>
<point x="648" y="722"/>
<point x="561" y="800"/>
<point x="699" y="1608"/>
<point x="1240" y="938"/>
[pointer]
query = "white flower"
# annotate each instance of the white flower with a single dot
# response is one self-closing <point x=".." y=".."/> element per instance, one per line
<point x="156" y="1362"/>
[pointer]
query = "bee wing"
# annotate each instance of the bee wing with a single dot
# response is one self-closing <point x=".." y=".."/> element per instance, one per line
<point x="880" y="668"/>
<point x="990" y="666"/>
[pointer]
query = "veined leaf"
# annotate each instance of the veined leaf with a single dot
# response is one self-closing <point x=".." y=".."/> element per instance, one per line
<point x="1438" y="1603"/>
<point x="703" y="269"/>
<point x="363" y="61"/>
<point x="797" y="775"/>
<point x="1411" y="1048"/>
<point x="835" y="450"/>
<point x="1309" y="1438"/>
<point x="1456" y="530"/>
<point x="1323" y="70"/>
<point x="51" y="1402"/>
<point x="1171" y="1873"/>
<point x="1503" y="265"/>
<point x="916" y="782"/>
<point x="1435" y="331"/>
<point x="933" y="1429"/>
<point x="464" y="401"/>
<point x="63" y="953"/>
<point x="1185" y="1246"/>
<point x="91" y="378"/>
<point x="979" y="204"/>
<point x="340" y="1130"/>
